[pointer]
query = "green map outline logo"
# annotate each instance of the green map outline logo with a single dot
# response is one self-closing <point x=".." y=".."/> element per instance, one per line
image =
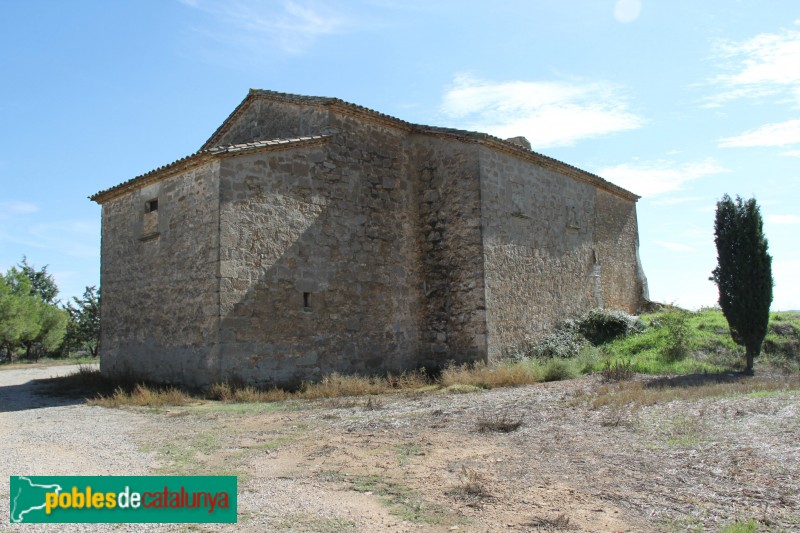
<point x="15" y="498"/>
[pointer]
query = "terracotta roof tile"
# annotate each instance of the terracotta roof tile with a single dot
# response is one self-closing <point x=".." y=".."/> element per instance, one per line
<point x="200" y="157"/>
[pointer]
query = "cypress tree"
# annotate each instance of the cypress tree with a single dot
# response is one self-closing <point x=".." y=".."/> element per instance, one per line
<point x="743" y="273"/>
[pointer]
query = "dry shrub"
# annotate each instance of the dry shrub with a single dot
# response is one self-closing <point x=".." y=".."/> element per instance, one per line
<point x="412" y="380"/>
<point x="233" y="393"/>
<point x="79" y="382"/>
<point x="502" y="423"/>
<point x="471" y="483"/>
<point x="143" y="396"/>
<point x="335" y="385"/>
<point x="619" y="371"/>
<point x="223" y="392"/>
<point x="486" y="377"/>
<point x="560" y="522"/>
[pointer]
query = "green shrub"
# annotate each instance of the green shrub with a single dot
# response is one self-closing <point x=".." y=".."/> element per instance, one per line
<point x="600" y="326"/>
<point x="563" y="343"/>
<point x="677" y="334"/>
<point x="740" y="526"/>
<point x="588" y="360"/>
<point x="558" y="370"/>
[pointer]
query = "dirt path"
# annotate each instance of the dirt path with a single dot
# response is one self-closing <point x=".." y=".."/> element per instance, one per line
<point x="420" y="463"/>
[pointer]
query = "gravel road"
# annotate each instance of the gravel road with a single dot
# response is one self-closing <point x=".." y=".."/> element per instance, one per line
<point x="419" y="462"/>
<point x="43" y="435"/>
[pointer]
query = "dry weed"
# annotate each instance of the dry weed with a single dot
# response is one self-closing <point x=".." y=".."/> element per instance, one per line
<point x="336" y="385"/>
<point x="559" y="523"/>
<point x="232" y="393"/>
<point x="619" y="371"/>
<point x="471" y="483"/>
<point x="501" y="423"/>
<point x="490" y="377"/>
<point x="143" y="396"/>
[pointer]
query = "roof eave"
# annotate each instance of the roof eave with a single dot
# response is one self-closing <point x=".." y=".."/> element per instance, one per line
<point x="200" y="158"/>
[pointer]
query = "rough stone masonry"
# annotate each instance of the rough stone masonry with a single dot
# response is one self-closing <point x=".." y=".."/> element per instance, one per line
<point x="309" y="235"/>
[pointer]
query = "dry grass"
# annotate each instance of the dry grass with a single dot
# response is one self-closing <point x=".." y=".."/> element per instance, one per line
<point x="500" y="423"/>
<point x="79" y="382"/>
<point x="558" y="523"/>
<point x="232" y="393"/>
<point x="490" y="377"/>
<point x="126" y="390"/>
<point x="667" y="390"/>
<point x="143" y="396"/>
<point x="338" y="385"/>
<point x="332" y="386"/>
<point x="471" y="483"/>
<point x="617" y="371"/>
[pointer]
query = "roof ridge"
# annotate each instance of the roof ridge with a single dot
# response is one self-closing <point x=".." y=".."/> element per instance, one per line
<point x="414" y="128"/>
<point x="348" y="107"/>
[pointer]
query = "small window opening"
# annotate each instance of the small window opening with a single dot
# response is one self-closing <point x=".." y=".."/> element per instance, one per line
<point x="306" y="302"/>
<point x="151" y="205"/>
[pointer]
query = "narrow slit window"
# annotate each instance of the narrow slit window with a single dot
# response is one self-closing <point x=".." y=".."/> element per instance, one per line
<point x="306" y="302"/>
<point x="150" y="220"/>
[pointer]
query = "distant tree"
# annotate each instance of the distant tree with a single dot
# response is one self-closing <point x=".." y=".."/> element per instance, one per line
<point x="18" y="313"/>
<point x="42" y="284"/>
<point x="743" y="273"/>
<point x="53" y="323"/>
<point x="83" y="330"/>
<point x="29" y="318"/>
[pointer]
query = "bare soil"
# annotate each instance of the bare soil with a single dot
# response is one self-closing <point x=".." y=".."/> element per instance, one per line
<point x="438" y="461"/>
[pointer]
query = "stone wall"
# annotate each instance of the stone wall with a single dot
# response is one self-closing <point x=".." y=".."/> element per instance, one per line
<point x="539" y="249"/>
<point x="452" y="314"/>
<point x="261" y="119"/>
<point x="159" y="279"/>
<point x="316" y="274"/>
<point x="624" y="286"/>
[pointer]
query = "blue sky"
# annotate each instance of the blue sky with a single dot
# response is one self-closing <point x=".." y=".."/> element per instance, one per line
<point x="679" y="101"/>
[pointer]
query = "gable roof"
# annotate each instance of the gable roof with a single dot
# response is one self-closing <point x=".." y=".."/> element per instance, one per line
<point x="211" y="148"/>
<point x="347" y="108"/>
<point x="204" y="156"/>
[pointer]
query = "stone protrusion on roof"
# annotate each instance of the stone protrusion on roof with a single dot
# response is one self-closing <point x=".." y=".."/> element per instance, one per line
<point x="520" y="141"/>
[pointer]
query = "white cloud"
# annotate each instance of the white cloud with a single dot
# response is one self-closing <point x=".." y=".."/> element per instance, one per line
<point x="627" y="10"/>
<point x="765" y="65"/>
<point x="675" y="246"/>
<point x="9" y="209"/>
<point x="547" y="113"/>
<point x="650" y="178"/>
<point x="674" y="200"/>
<point x="783" y="219"/>
<point x="786" y="293"/>
<point x="73" y="238"/>
<point x="791" y="153"/>
<point x="294" y="26"/>
<point x="778" y="134"/>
